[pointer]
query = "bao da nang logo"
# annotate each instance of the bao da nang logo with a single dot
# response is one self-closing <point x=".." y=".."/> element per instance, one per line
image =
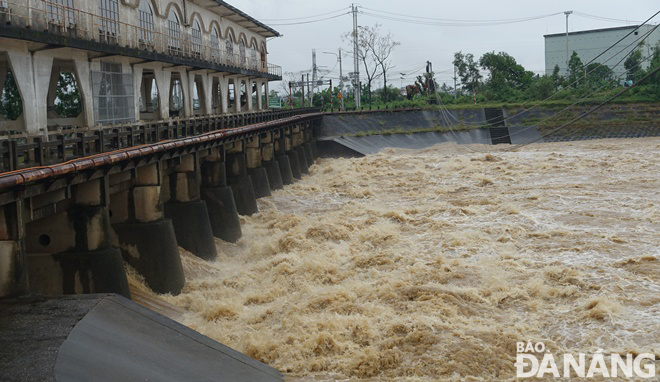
<point x="532" y="360"/>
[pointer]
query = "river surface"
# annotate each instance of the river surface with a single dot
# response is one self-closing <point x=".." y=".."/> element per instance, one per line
<point x="432" y="264"/>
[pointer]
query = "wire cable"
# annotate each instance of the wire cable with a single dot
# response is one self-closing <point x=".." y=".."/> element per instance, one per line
<point x="311" y="21"/>
<point x="601" y="18"/>
<point x="624" y="37"/>
<point x="642" y="37"/>
<point x="452" y="24"/>
<point x="567" y="124"/>
<point x="463" y="21"/>
<point x="307" y="17"/>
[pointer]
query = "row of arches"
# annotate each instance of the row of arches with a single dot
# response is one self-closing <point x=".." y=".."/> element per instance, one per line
<point x="232" y="43"/>
<point x="238" y="48"/>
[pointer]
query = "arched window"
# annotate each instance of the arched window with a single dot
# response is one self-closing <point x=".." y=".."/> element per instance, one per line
<point x="109" y="23"/>
<point x="196" y="39"/>
<point x="173" y="33"/>
<point x="230" y="48"/>
<point x="146" y="20"/>
<point x="253" y="56"/>
<point x="241" y="51"/>
<point x="215" y="45"/>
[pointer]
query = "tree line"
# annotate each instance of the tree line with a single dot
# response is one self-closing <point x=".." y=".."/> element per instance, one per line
<point x="491" y="78"/>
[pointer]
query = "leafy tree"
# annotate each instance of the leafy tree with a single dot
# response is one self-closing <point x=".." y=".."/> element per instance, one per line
<point x="367" y="39"/>
<point x="575" y="69"/>
<point x="633" y="65"/>
<point x="389" y="93"/>
<point x="557" y="79"/>
<point x="542" y="88"/>
<point x="506" y="76"/>
<point x="11" y="105"/>
<point x="599" y="75"/>
<point x="468" y="71"/>
<point x="67" y="96"/>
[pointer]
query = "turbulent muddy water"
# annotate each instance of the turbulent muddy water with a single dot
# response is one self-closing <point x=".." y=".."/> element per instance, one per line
<point x="432" y="264"/>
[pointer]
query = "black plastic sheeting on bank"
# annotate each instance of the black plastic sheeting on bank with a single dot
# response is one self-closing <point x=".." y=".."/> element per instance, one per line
<point x="109" y="338"/>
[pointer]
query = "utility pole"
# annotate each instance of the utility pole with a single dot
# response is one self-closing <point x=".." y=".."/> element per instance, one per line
<point x="567" y="13"/>
<point x="314" y="74"/>
<point x="356" y="57"/>
<point x="341" y="73"/>
<point x="309" y="91"/>
<point x="341" y="82"/>
<point x="303" y="90"/>
<point x="455" y="84"/>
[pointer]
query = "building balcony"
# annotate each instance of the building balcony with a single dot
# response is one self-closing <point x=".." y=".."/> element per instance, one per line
<point x="53" y="24"/>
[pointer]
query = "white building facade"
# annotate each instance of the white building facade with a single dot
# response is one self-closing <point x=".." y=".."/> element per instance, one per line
<point x="590" y="43"/>
<point x="133" y="60"/>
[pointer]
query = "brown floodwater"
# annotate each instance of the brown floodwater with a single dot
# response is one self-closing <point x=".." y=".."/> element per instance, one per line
<point x="432" y="264"/>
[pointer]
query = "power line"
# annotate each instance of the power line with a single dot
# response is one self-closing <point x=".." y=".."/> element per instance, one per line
<point x="601" y="18"/>
<point x="463" y="20"/>
<point x="308" y="17"/>
<point x="624" y="37"/>
<point x="312" y="21"/>
<point x="624" y="91"/>
<point x="635" y="42"/>
<point x="415" y="20"/>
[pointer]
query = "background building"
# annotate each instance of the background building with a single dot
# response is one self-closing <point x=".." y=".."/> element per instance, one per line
<point x="590" y="43"/>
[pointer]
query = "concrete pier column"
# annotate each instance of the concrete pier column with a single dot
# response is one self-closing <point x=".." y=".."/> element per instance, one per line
<point x="260" y="101"/>
<point x="187" y="210"/>
<point x="140" y="90"/>
<point x="315" y="149"/>
<point x="146" y="238"/>
<point x="223" y="84"/>
<point x="288" y="144"/>
<point x="248" y="94"/>
<point x="302" y="160"/>
<point x="309" y="156"/>
<point x="163" y="83"/>
<point x="267" y="91"/>
<point x="32" y="75"/>
<point x="297" y="141"/>
<point x="219" y="197"/>
<point x="71" y="252"/>
<point x="269" y="163"/>
<point x="279" y="149"/>
<point x="239" y="179"/>
<point x="83" y="76"/>
<point x="13" y="267"/>
<point x="255" y="167"/>
<point x="294" y="162"/>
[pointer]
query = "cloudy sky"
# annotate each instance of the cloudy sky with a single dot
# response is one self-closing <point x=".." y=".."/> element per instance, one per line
<point x="436" y="43"/>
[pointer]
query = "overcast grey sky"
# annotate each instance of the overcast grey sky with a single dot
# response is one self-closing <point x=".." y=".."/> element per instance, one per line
<point x="420" y="43"/>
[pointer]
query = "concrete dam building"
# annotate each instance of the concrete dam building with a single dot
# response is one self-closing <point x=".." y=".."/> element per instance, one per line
<point x="132" y="60"/>
<point x="590" y="43"/>
<point x="172" y="141"/>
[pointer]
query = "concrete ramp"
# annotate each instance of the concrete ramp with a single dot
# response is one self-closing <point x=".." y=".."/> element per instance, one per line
<point x="374" y="143"/>
<point x="109" y="338"/>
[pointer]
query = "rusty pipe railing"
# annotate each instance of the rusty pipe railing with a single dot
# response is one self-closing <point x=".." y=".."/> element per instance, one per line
<point x="23" y="177"/>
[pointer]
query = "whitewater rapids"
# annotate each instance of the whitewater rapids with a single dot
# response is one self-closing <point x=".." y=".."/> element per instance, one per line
<point x="432" y="264"/>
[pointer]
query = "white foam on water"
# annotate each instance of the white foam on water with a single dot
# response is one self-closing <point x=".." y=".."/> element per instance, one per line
<point x="432" y="264"/>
